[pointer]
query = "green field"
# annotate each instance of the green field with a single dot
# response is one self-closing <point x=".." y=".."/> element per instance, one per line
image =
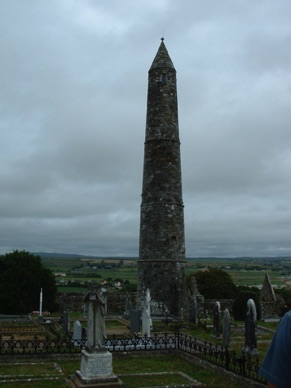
<point x="244" y="271"/>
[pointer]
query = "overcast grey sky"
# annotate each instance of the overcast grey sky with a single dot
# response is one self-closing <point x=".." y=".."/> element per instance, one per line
<point x="73" y="88"/>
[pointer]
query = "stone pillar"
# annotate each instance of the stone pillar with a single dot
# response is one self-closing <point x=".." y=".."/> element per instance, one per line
<point x="161" y="265"/>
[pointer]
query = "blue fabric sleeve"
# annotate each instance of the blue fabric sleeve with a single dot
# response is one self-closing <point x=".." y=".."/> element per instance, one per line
<point x="276" y="367"/>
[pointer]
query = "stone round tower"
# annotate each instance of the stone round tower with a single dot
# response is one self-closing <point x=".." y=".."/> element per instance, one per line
<point x="161" y="265"/>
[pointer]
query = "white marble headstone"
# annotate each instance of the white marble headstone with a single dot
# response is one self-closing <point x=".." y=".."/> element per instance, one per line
<point x="77" y="334"/>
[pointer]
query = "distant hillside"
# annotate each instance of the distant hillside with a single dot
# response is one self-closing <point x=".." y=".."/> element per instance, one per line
<point x="78" y="256"/>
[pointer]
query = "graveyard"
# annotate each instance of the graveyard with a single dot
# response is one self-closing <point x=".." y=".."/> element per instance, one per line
<point x="55" y="369"/>
<point x="167" y="352"/>
<point x="158" y="366"/>
<point x="213" y="349"/>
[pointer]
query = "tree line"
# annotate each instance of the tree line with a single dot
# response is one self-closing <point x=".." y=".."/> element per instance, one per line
<point x="22" y="275"/>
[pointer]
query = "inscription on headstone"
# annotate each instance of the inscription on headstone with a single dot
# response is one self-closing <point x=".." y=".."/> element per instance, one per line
<point x="98" y="365"/>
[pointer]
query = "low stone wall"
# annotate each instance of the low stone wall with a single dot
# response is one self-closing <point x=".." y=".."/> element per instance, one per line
<point x="224" y="303"/>
<point x="70" y="301"/>
<point x="269" y="310"/>
<point x="116" y="301"/>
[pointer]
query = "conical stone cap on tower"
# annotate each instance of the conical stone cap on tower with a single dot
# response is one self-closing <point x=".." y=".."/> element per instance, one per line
<point x="162" y="58"/>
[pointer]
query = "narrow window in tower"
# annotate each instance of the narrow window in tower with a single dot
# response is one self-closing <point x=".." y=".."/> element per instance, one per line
<point x="164" y="78"/>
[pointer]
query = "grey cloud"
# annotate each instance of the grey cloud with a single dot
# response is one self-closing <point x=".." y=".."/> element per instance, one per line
<point x="73" y="91"/>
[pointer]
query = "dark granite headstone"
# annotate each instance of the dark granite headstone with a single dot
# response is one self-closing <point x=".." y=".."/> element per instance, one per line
<point x="193" y="309"/>
<point x="251" y="328"/>
<point x="134" y="321"/>
<point x="65" y="321"/>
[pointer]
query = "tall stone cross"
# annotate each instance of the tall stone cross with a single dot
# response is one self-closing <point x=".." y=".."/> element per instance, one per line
<point x="146" y="314"/>
<point x="96" y="303"/>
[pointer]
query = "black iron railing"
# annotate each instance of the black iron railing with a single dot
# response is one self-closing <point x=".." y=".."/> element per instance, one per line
<point x="38" y="345"/>
<point x="155" y="342"/>
<point x="243" y="365"/>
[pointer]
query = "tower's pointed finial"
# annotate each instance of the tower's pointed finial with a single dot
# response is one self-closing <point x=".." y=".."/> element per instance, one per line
<point x="162" y="38"/>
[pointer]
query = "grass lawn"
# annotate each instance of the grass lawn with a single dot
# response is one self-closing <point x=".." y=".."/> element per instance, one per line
<point x="123" y="365"/>
<point x="167" y="363"/>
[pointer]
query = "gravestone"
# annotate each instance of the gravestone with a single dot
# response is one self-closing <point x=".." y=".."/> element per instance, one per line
<point x="192" y="297"/>
<point x="40" y="317"/>
<point x="96" y="303"/>
<point x="251" y="329"/>
<point x="146" y="315"/>
<point x="216" y="319"/>
<point x="134" y="321"/>
<point x="96" y="362"/>
<point x="84" y="333"/>
<point x="226" y="328"/>
<point x="195" y="302"/>
<point x="77" y="333"/>
<point x="65" y="321"/>
<point x="127" y="306"/>
<point x="193" y="309"/>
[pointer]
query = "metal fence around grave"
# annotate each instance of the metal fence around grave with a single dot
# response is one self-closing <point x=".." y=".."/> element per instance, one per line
<point x="243" y="365"/>
<point x="38" y="345"/>
<point x="47" y="345"/>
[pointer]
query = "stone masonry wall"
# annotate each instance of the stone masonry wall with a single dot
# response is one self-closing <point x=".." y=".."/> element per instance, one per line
<point x="161" y="266"/>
